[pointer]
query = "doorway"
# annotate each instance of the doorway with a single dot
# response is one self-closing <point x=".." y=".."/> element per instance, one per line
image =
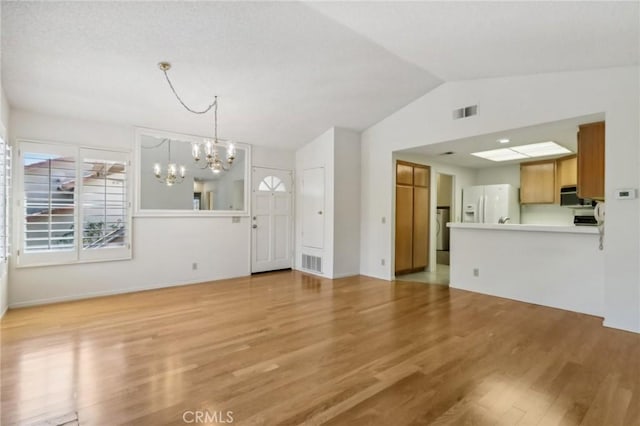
<point x="444" y="213"/>
<point x="271" y="223"/>
<point x="444" y="210"/>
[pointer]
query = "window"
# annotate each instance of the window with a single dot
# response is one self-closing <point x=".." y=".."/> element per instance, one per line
<point x="272" y="184"/>
<point x="75" y="204"/>
<point x="5" y="186"/>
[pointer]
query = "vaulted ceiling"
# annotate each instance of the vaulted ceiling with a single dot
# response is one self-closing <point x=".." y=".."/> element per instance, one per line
<point x="287" y="71"/>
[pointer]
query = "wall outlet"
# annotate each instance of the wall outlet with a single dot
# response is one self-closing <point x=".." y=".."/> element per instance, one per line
<point x="382" y="262"/>
<point x="476" y="272"/>
<point x="194" y="266"/>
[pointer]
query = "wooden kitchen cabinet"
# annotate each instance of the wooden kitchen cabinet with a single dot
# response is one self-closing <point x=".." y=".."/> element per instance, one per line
<point x="566" y="173"/>
<point x="538" y="182"/>
<point x="591" y="160"/>
<point x="412" y="217"/>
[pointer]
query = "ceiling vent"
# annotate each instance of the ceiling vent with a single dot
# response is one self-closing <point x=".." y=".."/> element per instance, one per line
<point x="465" y="112"/>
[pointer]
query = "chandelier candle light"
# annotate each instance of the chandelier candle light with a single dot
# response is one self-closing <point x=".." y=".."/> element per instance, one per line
<point x="211" y="148"/>
<point x="172" y="175"/>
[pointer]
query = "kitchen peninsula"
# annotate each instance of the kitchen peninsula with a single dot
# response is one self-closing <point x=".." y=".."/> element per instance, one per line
<point x="556" y="266"/>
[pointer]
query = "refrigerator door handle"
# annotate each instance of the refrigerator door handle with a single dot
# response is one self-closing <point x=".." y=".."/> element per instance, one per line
<point x="479" y="213"/>
<point x="484" y="209"/>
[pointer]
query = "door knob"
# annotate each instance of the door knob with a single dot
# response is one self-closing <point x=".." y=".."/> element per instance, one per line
<point x="254" y="226"/>
<point x="320" y="212"/>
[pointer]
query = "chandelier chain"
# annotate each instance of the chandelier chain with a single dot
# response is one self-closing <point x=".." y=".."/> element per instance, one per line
<point x="204" y="111"/>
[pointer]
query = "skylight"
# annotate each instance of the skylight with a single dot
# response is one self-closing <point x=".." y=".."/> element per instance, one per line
<point x="541" y="149"/>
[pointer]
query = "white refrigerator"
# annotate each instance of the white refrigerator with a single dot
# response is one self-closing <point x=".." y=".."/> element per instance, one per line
<point x="490" y="204"/>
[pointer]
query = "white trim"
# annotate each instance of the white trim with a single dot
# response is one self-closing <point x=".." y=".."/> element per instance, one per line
<point x="292" y="211"/>
<point x="95" y="294"/>
<point x="139" y="212"/>
<point x="74" y="255"/>
<point x="17" y="265"/>
<point x="345" y="275"/>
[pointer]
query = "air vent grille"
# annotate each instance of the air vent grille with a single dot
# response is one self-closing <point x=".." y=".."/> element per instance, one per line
<point x="465" y="112"/>
<point x="312" y="263"/>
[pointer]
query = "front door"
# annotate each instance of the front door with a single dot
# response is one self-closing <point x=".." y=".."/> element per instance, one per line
<point x="271" y="219"/>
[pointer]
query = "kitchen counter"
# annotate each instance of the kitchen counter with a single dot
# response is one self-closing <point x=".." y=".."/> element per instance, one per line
<point x="557" y="266"/>
<point x="572" y="229"/>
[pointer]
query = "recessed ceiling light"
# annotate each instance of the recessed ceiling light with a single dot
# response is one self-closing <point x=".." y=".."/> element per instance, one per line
<point x="541" y="149"/>
<point x="504" y="140"/>
<point x="504" y="154"/>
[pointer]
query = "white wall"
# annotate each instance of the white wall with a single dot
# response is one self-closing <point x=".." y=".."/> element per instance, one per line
<point x="513" y="102"/>
<point x="540" y="214"/>
<point x="346" y="250"/>
<point x="338" y="151"/>
<point x="4" y="133"/>
<point x="562" y="270"/>
<point x="462" y="177"/>
<point x="163" y="248"/>
<point x="317" y="153"/>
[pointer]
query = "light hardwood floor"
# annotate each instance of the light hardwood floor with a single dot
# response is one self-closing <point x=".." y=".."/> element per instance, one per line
<point x="286" y="348"/>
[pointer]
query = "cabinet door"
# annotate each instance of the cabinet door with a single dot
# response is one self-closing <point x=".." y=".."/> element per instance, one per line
<point x="404" y="228"/>
<point x="537" y="182"/>
<point x="420" y="227"/>
<point x="567" y="172"/>
<point x="404" y="174"/>
<point x="420" y="176"/>
<point x="591" y="161"/>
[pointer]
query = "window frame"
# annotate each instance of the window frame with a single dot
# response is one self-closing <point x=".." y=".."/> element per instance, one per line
<point x="140" y="212"/>
<point x="77" y="254"/>
<point x="6" y="164"/>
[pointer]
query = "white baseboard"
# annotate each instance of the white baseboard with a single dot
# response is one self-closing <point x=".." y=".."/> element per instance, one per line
<point x="345" y="275"/>
<point x="92" y="295"/>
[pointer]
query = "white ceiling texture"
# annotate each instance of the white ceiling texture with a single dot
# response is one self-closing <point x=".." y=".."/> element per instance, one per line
<point x="287" y="71"/>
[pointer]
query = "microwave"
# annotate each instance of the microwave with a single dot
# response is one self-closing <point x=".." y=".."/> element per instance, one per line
<point x="569" y="198"/>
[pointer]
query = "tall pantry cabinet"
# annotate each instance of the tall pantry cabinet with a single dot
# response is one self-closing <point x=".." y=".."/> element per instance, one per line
<point x="412" y="217"/>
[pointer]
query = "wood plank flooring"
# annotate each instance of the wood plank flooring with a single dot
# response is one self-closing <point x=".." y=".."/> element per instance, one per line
<point x="287" y="348"/>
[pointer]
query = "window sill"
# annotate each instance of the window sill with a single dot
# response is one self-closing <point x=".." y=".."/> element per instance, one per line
<point x="17" y="265"/>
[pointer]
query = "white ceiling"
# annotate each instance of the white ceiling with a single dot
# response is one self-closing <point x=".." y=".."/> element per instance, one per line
<point x="563" y="132"/>
<point x="287" y="71"/>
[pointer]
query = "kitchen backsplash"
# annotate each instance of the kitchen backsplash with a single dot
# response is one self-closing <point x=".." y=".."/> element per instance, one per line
<point x="545" y="214"/>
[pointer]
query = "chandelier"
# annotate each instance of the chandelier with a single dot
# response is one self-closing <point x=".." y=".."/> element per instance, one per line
<point x="175" y="173"/>
<point x="217" y="154"/>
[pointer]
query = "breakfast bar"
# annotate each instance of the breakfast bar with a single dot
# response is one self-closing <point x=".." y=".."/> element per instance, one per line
<point x="556" y="266"/>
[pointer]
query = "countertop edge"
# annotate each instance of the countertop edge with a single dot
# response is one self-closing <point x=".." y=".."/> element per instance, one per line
<point x="572" y="229"/>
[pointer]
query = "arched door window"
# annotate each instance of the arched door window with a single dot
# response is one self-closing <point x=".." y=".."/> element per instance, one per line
<point x="272" y="184"/>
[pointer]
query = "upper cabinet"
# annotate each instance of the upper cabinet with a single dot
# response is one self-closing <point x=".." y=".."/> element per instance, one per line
<point x="591" y="161"/>
<point x="538" y="182"/>
<point x="566" y="173"/>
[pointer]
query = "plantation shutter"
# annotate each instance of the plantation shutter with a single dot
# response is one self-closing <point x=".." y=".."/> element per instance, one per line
<point x="104" y="204"/>
<point x="49" y="202"/>
<point x="75" y="204"/>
